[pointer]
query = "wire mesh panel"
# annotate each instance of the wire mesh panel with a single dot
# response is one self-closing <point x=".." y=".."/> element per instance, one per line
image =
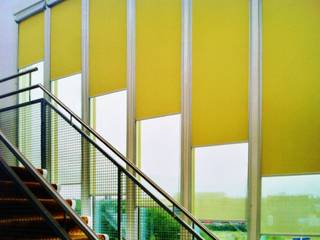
<point x="125" y="204"/>
<point x="155" y="220"/>
<point x="22" y="125"/>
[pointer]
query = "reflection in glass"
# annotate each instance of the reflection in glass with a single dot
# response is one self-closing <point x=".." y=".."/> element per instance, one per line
<point x="221" y="188"/>
<point x="291" y="205"/>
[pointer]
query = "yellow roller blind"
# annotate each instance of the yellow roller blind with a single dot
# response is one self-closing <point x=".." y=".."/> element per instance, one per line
<point x="66" y="39"/>
<point x="220" y="71"/>
<point x="291" y="83"/>
<point x="158" y="57"/>
<point x="31" y="40"/>
<point x="107" y="46"/>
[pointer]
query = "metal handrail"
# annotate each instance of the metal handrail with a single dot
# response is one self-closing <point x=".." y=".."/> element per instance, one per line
<point x="19" y="74"/>
<point x="117" y="153"/>
<point x="122" y="169"/>
<point x="53" y="193"/>
<point x="127" y="161"/>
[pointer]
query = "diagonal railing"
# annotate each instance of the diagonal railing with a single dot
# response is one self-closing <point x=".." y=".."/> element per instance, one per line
<point x="125" y="170"/>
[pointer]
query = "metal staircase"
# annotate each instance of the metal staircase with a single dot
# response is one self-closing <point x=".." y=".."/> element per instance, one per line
<point x="56" y="139"/>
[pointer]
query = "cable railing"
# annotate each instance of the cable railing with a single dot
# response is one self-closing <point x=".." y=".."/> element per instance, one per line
<point x="127" y="172"/>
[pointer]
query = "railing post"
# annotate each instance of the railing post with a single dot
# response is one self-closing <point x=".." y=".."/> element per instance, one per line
<point x="119" y="204"/>
<point x="43" y="136"/>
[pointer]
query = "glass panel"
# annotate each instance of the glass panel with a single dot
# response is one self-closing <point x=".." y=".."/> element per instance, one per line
<point x="68" y="90"/>
<point x="291" y="205"/>
<point x="72" y="192"/>
<point x="276" y="237"/>
<point x="105" y="215"/>
<point x="221" y="188"/>
<point x="159" y="149"/>
<point x="36" y="78"/>
<point x="29" y="117"/>
<point x="109" y="118"/>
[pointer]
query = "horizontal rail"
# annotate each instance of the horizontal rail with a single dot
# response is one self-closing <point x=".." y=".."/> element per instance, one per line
<point x="70" y="212"/>
<point x="120" y="155"/>
<point x="19" y="74"/>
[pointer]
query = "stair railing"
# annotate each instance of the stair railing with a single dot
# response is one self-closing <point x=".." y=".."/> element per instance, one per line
<point x="188" y="219"/>
<point x="53" y="193"/>
<point x="55" y="226"/>
<point x="48" y="187"/>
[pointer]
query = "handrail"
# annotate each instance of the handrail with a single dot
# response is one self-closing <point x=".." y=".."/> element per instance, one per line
<point x="70" y="212"/>
<point x="120" y="155"/>
<point x="123" y="170"/>
<point x="19" y="74"/>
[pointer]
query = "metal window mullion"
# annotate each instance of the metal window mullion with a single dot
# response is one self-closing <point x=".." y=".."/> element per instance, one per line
<point x="85" y="172"/>
<point x="186" y="91"/>
<point x="254" y="171"/>
<point x="131" y="117"/>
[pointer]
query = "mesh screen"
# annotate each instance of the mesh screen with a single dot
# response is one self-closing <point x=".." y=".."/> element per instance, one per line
<point x="140" y="214"/>
<point x="87" y="172"/>
<point x="22" y="126"/>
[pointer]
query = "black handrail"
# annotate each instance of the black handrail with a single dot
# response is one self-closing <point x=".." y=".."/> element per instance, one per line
<point x="19" y="74"/>
<point x="120" y="155"/>
<point x="61" y="202"/>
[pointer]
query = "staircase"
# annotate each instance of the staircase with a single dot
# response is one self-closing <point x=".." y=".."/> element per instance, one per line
<point x="44" y="133"/>
<point x="19" y="220"/>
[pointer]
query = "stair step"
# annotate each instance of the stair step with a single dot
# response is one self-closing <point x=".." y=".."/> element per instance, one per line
<point x="8" y="189"/>
<point x="19" y="219"/>
<point x="48" y="237"/>
<point x="23" y="227"/>
<point x="12" y="206"/>
<point x="23" y="174"/>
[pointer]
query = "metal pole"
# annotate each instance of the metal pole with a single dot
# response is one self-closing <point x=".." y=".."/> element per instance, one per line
<point x="254" y="173"/>
<point x="43" y="136"/>
<point x="119" y="204"/>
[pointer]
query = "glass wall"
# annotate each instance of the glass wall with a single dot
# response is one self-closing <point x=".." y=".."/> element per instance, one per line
<point x="290" y="206"/>
<point x="109" y="117"/>
<point x="159" y="150"/>
<point x="29" y="116"/>
<point x="221" y="188"/>
<point x="66" y="168"/>
<point x="68" y="90"/>
<point x="29" y="80"/>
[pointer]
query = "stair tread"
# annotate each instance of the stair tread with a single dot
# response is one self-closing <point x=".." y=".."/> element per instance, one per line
<point x="9" y="189"/>
<point x="31" y="184"/>
<point x="23" y="174"/>
<point x="18" y="218"/>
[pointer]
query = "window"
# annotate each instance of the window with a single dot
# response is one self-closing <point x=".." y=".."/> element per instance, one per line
<point x="66" y="141"/>
<point x="109" y="118"/>
<point x="25" y="81"/>
<point x="68" y="90"/>
<point x="30" y="116"/>
<point x="291" y="205"/>
<point x="159" y="146"/>
<point x="221" y="188"/>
